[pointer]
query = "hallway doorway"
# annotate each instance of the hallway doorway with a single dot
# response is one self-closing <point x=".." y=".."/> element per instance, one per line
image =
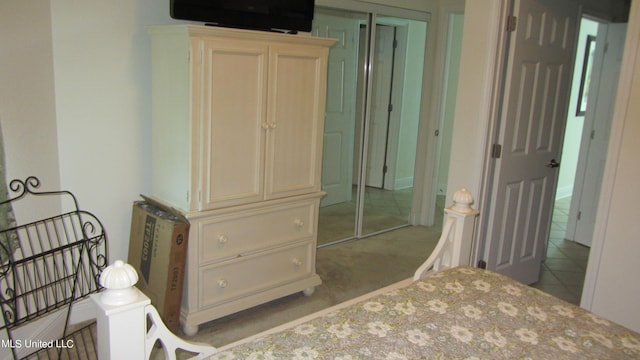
<point x="595" y="83"/>
<point x="585" y="145"/>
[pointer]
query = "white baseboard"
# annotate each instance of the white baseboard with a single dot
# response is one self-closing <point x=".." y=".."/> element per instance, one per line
<point x="564" y="192"/>
<point x="82" y="311"/>
<point x="403" y="183"/>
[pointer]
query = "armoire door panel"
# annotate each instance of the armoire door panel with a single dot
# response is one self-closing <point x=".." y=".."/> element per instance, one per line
<point x="234" y="90"/>
<point x="295" y="127"/>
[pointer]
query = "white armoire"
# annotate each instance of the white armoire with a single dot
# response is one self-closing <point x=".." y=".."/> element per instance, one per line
<point x="238" y="120"/>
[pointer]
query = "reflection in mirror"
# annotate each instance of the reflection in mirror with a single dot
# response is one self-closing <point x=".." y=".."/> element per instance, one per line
<point x="372" y="114"/>
<point x="392" y="125"/>
<point x="338" y="211"/>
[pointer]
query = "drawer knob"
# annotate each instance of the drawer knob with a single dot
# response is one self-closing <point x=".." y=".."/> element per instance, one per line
<point x="222" y="239"/>
<point x="222" y="283"/>
<point x="298" y="223"/>
<point x="297" y="262"/>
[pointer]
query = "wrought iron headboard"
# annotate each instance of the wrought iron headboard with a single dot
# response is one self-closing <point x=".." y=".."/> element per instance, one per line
<point x="47" y="264"/>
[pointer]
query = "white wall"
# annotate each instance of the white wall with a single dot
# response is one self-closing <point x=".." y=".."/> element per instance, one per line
<point x="449" y="99"/>
<point x="27" y="101"/>
<point x="75" y="100"/>
<point x="103" y="106"/>
<point x="611" y="286"/>
<point x="475" y="109"/>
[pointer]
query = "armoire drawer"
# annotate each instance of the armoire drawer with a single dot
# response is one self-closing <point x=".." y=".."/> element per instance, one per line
<point x="229" y="280"/>
<point x="239" y="233"/>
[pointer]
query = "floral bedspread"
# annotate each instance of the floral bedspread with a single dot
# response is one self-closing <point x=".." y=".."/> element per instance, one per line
<point x="460" y="313"/>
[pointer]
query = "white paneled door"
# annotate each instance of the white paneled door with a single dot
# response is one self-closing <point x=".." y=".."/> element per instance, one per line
<point x="340" y="115"/>
<point x="535" y="104"/>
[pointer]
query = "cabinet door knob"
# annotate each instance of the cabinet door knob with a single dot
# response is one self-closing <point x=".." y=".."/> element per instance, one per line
<point x="222" y="239"/>
<point x="265" y="125"/>
<point x="298" y="223"/>
<point x="222" y="283"/>
<point x="297" y="262"/>
<point x="272" y="125"/>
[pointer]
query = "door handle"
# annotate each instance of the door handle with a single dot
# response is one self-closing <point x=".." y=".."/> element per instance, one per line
<point x="553" y="164"/>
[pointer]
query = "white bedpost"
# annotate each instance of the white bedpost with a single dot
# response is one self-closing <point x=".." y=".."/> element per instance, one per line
<point x="121" y="317"/>
<point x="123" y="312"/>
<point x="465" y="217"/>
<point x="456" y="241"/>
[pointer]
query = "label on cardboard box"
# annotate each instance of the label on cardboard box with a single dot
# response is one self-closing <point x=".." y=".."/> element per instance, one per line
<point x="157" y="250"/>
<point x="147" y="246"/>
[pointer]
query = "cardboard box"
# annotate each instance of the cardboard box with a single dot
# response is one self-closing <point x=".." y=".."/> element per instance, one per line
<point x="158" y="250"/>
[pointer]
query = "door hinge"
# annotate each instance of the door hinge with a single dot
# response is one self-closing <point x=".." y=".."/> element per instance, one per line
<point x="385" y="169"/>
<point x="496" y="151"/>
<point x="512" y="21"/>
<point x="482" y="264"/>
<point x="579" y="215"/>
<point x="593" y="134"/>
<point x="390" y="108"/>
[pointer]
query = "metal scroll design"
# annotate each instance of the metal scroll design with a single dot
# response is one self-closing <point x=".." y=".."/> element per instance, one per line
<point x="59" y="259"/>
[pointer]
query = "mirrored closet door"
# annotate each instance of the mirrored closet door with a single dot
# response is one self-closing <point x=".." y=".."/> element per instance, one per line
<point x="374" y="94"/>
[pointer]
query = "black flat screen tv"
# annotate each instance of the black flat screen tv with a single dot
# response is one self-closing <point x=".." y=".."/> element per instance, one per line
<point x="284" y="15"/>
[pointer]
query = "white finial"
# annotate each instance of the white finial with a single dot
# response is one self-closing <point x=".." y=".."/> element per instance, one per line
<point x="118" y="279"/>
<point x="462" y="200"/>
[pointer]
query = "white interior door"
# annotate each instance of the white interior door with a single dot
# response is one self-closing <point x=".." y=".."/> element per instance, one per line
<point x="380" y="102"/>
<point x="531" y="129"/>
<point x="340" y="115"/>
<point x="595" y="139"/>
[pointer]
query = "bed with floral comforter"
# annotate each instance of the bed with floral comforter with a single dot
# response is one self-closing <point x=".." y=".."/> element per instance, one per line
<point x="459" y="313"/>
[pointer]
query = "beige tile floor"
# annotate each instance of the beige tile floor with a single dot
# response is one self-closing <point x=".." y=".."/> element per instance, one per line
<point x="564" y="269"/>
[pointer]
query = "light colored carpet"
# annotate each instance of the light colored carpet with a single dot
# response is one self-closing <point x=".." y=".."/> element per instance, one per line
<point x="383" y="209"/>
<point x="348" y="270"/>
